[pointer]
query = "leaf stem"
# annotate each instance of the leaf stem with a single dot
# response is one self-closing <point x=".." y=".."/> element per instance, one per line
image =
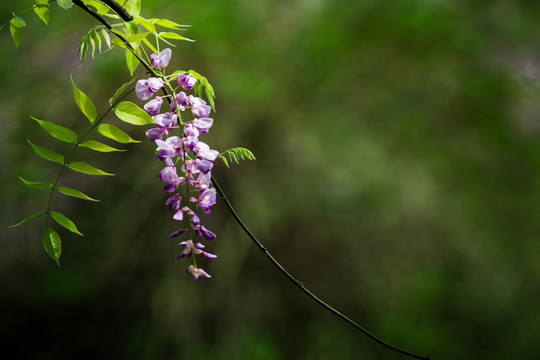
<point x="118" y="9"/>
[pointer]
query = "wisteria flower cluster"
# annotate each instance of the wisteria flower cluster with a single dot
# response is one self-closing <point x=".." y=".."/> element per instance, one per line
<point x="188" y="161"/>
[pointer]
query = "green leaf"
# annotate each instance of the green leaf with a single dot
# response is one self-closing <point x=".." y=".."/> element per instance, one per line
<point x="137" y="38"/>
<point x="42" y="10"/>
<point x="101" y="9"/>
<point x="224" y="160"/>
<point x="112" y="132"/>
<point x="97" y="146"/>
<point x="82" y="49"/>
<point x="84" y="103"/>
<point x="52" y="244"/>
<point x="210" y="98"/>
<point x="168" y="24"/>
<point x="92" y="44"/>
<point x="118" y="43"/>
<point x="86" y="169"/>
<point x="59" y="132"/>
<point x="36" y="215"/>
<point x="16" y="26"/>
<point x="121" y="90"/>
<point x="131" y="61"/>
<point x="133" y="114"/>
<point x="150" y="46"/>
<point x="97" y="38"/>
<point x="62" y="220"/>
<point x="47" y="154"/>
<point x="65" y="4"/>
<point x="106" y="37"/>
<point x="130" y="28"/>
<point x="173" y="36"/>
<point x="75" y="193"/>
<point x="133" y="7"/>
<point x="120" y="2"/>
<point x="37" y="185"/>
<point x="146" y="24"/>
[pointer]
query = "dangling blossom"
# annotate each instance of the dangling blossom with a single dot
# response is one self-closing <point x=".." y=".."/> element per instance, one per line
<point x="188" y="160"/>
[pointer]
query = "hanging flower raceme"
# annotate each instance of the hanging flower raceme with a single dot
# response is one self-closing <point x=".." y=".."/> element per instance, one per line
<point x="188" y="161"/>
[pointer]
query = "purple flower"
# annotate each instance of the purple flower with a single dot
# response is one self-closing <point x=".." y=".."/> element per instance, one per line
<point x="169" y="188"/>
<point x="181" y="100"/>
<point x="174" y="202"/>
<point x="179" y="215"/>
<point x="171" y="147"/>
<point x="199" y="107"/>
<point x="152" y="107"/>
<point x="195" y="219"/>
<point x="191" y="133"/>
<point x="168" y="175"/>
<point x="186" y="81"/>
<point x="201" y="166"/>
<point x="196" y="272"/>
<point x="194" y="249"/>
<point x="162" y="60"/>
<point x="146" y="88"/>
<point x="177" y="233"/>
<point x="204" y="232"/>
<point x="203" y="181"/>
<point x="155" y="133"/>
<point x="167" y="120"/>
<point x="203" y="125"/>
<point x="207" y="199"/>
<point x="204" y="152"/>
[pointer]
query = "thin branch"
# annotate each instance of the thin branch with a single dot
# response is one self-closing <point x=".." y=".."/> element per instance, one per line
<point x="248" y="232"/>
<point x="118" y="9"/>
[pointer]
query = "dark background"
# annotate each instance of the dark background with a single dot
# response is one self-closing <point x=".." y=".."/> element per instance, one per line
<point x="397" y="176"/>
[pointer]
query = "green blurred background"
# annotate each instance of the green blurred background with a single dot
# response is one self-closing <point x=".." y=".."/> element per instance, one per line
<point x="397" y="176"/>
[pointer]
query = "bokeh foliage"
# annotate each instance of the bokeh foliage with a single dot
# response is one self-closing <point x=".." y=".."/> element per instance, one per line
<point x="397" y="175"/>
